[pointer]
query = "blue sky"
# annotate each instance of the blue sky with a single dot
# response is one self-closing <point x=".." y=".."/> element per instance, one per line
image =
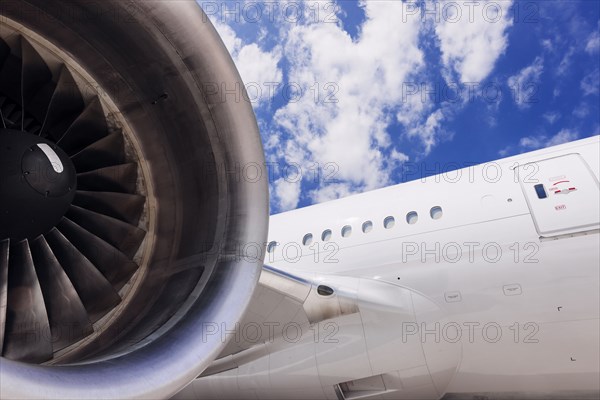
<point x="352" y="96"/>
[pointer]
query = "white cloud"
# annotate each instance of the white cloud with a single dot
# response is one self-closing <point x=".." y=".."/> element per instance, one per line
<point x="258" y="68"/>
<point x="564" y="136"/>
<point x="581" y="111"/>
<point x="505" y="151"/>
<point x="287" y="193"/>
<point x="556" y="92"/>
<point x="531" y="142"/>
<point x="230" y="39"/>
<point x="551" y="117"/>
<point x="366" y="76"/>
<point x="593" y="43"/>
<point x="548" y="45"/>
<point x="537" y="142"/>
<point x="524" y="83"/>
<point x="591" y="83"/>
<point x="565" y="63"/>
<point x="398" y="157"/>
<point x="430" y="130"/>
<point x="331" y="192"/>
<point x="472" y="42"/>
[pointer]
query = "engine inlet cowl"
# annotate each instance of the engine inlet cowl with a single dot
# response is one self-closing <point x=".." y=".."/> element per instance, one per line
<point x="120" y="231"/>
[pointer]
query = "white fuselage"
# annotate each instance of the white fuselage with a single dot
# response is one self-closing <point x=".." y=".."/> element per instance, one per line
<point x="480" y="286"/>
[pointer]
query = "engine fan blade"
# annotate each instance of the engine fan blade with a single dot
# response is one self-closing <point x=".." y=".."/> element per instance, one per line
<point x="123" y="206"/>
<point x="67" y="315"/>
<point x="37" y="107"/>
<point x="88" y="128"/>
<point x="113" y="264"/>
<point x="65" y="106"/>
<point x="127" y="238"/>
<point x="10" y="69"/>
<point x="27" y="328"/>
<point x="4" y="251"/>
<point x="4" y="52"/>
<point x="96" y="293"/>
<point x="12" y="114"/>
<point x="35" y="74"/>
<point x="118" y="178"/>
<point x="103" y="153"/>
<point x="2" y="121"/>
<point x="9" y="86"/>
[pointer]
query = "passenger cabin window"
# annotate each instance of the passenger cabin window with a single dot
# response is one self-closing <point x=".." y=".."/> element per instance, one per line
<point x="389" y="223"/>
<point x="367" y="227"/>
<point x="436" y="213"/>
<point x="308" y="239"/>
<point x="346" y="231"/>
<point x="412" y="217"/>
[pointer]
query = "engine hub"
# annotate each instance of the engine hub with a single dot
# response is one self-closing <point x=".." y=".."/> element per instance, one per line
<point x="37" y="185"/>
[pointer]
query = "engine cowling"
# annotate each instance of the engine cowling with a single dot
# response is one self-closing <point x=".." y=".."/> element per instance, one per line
<point x="128" y="221"/>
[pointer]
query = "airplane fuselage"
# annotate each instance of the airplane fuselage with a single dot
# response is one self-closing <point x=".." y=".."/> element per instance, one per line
<point x="479" y="282"/>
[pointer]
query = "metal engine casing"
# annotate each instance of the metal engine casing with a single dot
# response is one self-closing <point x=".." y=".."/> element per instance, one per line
<point x="165" y="68"/>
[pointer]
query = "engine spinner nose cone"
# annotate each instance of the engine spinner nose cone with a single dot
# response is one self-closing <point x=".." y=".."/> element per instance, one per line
<point x="37" y="185"/>
<point x="48" y="170"/>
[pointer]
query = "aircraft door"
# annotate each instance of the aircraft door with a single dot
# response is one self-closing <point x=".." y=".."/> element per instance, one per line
<point x="562" y="194"/>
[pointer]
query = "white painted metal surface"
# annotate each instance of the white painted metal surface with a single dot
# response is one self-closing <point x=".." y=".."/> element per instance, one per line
<point x="497" y="297"/>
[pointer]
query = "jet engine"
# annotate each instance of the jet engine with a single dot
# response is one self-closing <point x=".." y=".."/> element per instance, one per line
<point x="133" y="203"/>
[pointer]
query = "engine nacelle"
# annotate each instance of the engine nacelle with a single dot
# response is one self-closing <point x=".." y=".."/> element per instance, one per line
<point x="164" y="233"/>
